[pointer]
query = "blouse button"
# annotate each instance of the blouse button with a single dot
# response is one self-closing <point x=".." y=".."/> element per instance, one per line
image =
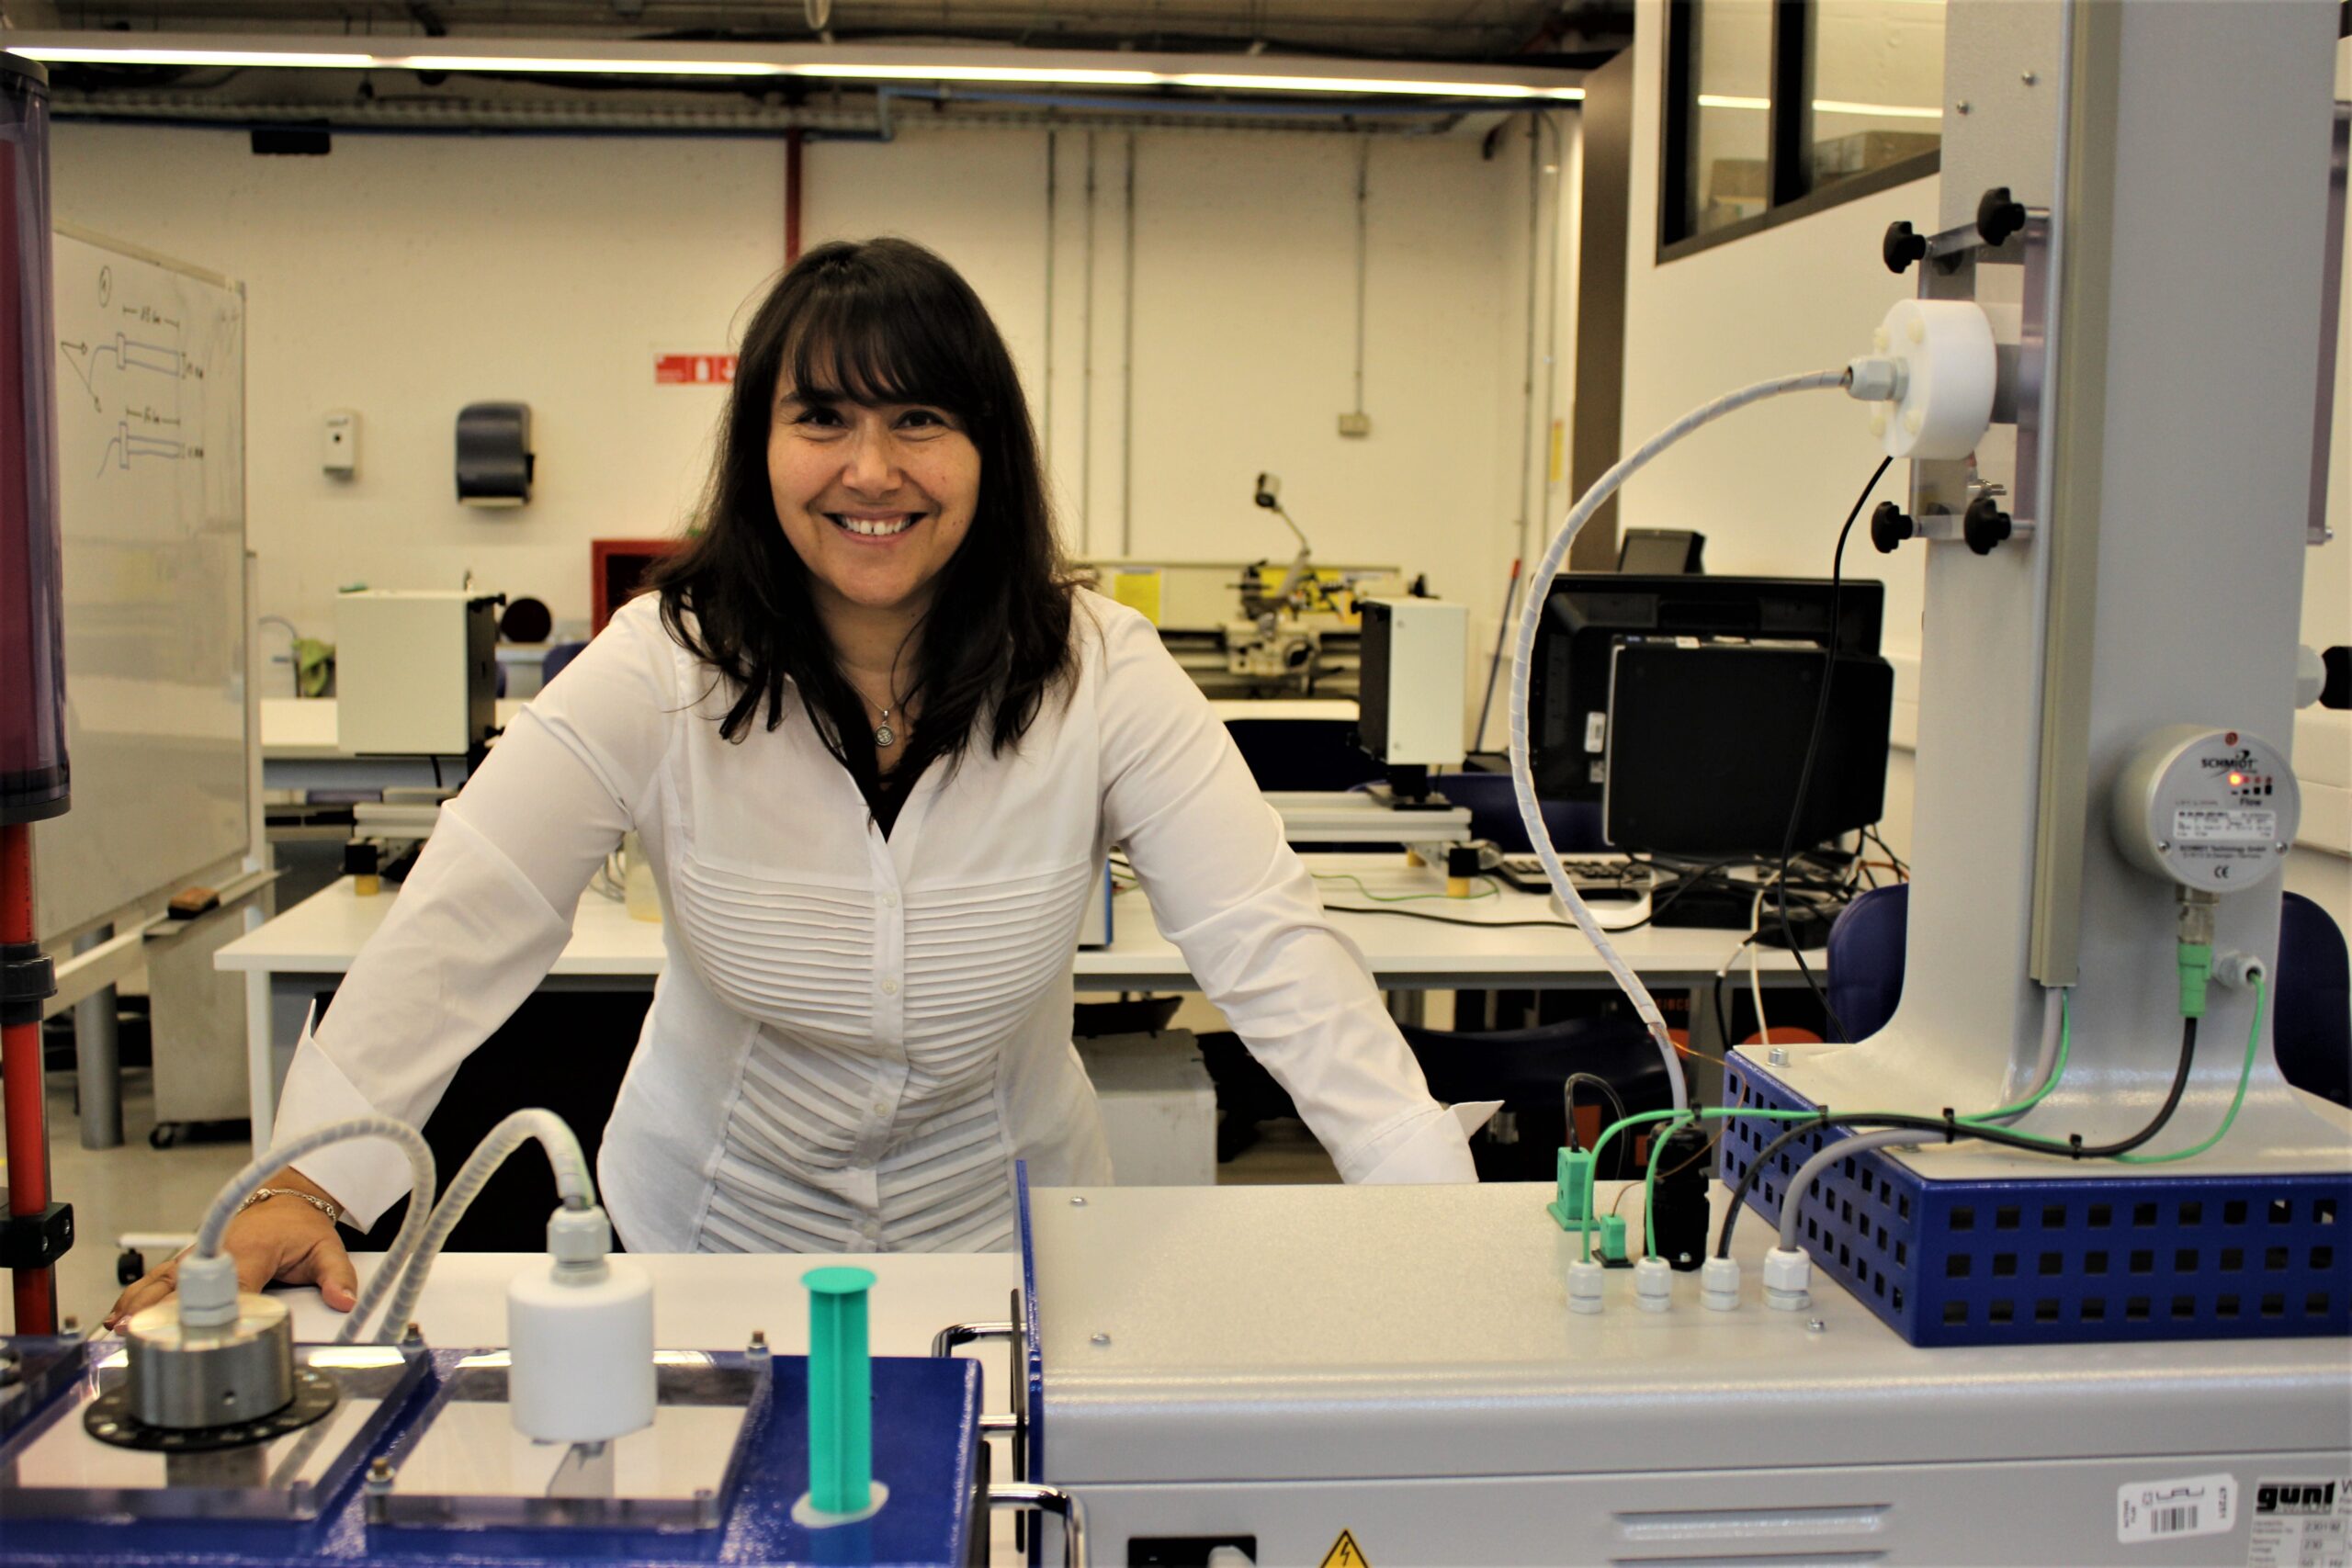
<point x="889" y="987"/>
<point x="889" y="900"/>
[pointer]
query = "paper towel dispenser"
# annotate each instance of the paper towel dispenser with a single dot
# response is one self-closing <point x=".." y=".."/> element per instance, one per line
<point x="494" y="459"/>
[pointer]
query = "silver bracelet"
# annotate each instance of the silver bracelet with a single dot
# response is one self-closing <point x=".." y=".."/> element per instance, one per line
<point x="321" y="1204"/>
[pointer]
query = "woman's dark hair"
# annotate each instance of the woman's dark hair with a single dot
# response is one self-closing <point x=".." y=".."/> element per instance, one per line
<point x="881" y="321"/>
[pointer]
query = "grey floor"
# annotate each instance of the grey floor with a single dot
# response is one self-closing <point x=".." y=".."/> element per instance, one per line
<point x="129" y="1189"/>
<point x="135" y="1188"/>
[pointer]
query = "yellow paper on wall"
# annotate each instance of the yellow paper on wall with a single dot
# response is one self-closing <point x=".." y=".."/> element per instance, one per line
<point x="1138" y="590"/>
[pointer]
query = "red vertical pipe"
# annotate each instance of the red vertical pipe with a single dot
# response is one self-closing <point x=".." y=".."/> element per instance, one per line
<point x="791" y="196"/>
<point x="20" y="1085"/>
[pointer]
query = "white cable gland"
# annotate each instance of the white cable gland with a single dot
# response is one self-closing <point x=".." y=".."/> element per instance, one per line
<point x="1787" y="1280"/>
<point x="1653" y="1284"/>
<point x="1949" y="369"/>
<point x="1586" y="1278"/>
<point x="1719" y="1284"/>
<point x="208" y="1290"/>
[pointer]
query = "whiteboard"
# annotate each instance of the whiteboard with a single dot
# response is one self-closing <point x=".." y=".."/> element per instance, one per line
<point x="150" y="380"/>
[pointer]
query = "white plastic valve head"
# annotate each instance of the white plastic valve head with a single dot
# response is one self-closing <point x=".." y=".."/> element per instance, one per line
<point x="1587" y="1279"/>
<point x="208" y="1290"/>
<point x="1654" y="1284"/>
<point x="1942" y="386"/>
<point x="580" y="1240"/>
<point x="1787" y="1280"/>
<point x="1719" y="1284"/>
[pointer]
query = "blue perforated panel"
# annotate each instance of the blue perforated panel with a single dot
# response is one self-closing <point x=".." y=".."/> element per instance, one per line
<point x="2122" y="1257"/>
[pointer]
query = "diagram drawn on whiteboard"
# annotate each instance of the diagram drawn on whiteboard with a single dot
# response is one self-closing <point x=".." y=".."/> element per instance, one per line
<point x="134" y="378"/>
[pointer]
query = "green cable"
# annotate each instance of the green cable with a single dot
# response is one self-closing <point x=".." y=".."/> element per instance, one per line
<point x="1487" y="889"/>
<point x="1649" y="1187"/>
<point x="2245" y="1072"/>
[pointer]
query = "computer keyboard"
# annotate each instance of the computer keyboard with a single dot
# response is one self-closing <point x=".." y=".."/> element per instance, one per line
<point x="1608" y="877"/>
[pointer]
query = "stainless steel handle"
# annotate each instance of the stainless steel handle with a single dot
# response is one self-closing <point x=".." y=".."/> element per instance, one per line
<point x="1028" y="1497"/>
<point x="944" y="1343"/>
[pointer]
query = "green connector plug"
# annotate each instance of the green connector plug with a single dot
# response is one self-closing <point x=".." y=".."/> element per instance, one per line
<point x="841" y="1391"/>
<point x="1613" y="1238"/>
<point x="2196" y="970"/>
<point x="1568" y="1205"/>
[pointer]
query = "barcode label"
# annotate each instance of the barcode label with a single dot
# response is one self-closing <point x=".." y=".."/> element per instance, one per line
<point x="2169" y="1510"/>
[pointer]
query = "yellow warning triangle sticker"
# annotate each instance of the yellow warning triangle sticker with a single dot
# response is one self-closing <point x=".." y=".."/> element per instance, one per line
<point x="1345" y="1553"/>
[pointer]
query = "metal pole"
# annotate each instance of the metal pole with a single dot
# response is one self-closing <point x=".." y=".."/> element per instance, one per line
<point x="98" y="1058"/>
<point x="1127" y="372"/>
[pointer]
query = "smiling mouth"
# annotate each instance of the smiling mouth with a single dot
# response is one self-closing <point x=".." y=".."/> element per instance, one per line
<point x="874" y="527"/>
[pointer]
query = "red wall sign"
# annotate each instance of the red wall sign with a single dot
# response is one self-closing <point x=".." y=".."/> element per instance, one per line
<point x="692" y="370"/>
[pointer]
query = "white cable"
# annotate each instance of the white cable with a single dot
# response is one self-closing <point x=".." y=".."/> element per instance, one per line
<point x="1830" y="1153"/>
<point x="1539" y="593"/>
<point x="574" y="1184"/>
<point x="1755" y="978"/>
<point x="232" y="1197"/>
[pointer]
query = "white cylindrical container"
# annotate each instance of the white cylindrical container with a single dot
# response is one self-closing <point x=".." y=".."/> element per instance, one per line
<point x="582" y="1353"/>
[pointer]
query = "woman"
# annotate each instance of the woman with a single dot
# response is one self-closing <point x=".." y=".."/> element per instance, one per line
<point x="875" y="747"/>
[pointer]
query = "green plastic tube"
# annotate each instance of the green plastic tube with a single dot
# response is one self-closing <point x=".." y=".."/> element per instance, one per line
<point x="841" y="1391"/>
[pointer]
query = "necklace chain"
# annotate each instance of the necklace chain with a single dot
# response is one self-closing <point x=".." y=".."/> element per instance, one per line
<point x="883" y="735"/>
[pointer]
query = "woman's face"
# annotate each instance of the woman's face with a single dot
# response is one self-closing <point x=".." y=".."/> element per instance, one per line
<point x="877" y="498"/>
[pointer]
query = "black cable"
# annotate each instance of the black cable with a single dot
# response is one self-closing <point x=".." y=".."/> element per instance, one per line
<point x="1954" y="1130"/>
<point x="436" y="773"/>
<point x="1813" y="751"/>
<point x="1608" y="1091"/>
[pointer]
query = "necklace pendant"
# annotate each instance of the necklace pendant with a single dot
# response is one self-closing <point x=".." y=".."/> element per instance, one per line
<point x="885" y="736"/>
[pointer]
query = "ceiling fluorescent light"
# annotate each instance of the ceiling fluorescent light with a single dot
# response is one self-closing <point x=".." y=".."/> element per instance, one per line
<point x="74" y="55"/>
<point x="884" y="64"/>
<point x="1365" y="86"/>
<point x="1052" y="73"/>
<point x="578" y="65"/>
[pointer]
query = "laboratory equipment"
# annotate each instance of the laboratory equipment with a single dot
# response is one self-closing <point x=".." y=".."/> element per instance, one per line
<point x="1411" y="698"/>
<point x="208" y="1431"/>
<point x="417" y="672"/>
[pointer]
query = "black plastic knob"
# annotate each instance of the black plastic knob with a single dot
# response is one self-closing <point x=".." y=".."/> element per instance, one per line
<point x="2338" y="691"/>
<point x="1902" y="246"/>
<point x="1984" y="525"/>
<point x="1890" y="526"/>
<point x="1998" y="217"/>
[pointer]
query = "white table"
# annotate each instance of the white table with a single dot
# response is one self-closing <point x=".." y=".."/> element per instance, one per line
<point x="299" y="750"/>
<point x="307" y="949"/>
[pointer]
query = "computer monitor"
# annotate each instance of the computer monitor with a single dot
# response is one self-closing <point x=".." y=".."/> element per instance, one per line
<point x="1658" y="552"/>
<point x="1586" y="614"/>
<point x="1707" y="743"/>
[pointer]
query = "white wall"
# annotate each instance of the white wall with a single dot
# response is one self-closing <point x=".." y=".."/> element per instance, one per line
<point x="406" y="277"/>
<point x="1770" y="486"/>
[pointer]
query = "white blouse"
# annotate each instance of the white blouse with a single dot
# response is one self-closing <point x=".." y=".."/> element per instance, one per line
<point x="854" y="1036"/>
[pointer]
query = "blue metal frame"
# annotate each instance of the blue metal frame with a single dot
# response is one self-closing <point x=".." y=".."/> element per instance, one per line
<point x="2100" y="1259"/>
<point x="1031" y="1370"/>
<point x="927" y="1449"/>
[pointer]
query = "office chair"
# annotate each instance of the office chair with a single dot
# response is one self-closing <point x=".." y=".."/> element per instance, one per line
<point x="1526" y="1068"/>
<point x="2311" y="1027"/>
<point x="559" y="656"/>
<point x="1574" y="824"/>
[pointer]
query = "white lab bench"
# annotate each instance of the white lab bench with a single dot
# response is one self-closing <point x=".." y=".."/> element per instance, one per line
<point x="308" y="949"/>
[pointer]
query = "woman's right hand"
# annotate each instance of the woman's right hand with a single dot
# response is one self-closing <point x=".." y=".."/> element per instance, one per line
<point x="279" y="1238"/>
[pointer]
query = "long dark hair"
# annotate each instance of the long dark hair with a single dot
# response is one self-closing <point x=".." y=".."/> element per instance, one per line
<point x="881" y="321"/>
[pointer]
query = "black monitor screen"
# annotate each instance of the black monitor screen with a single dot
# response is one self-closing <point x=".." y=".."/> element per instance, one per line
<point x="1706" y="743"/>
<point x="1588" y="613"/>
<point x="1658" y="551"/>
